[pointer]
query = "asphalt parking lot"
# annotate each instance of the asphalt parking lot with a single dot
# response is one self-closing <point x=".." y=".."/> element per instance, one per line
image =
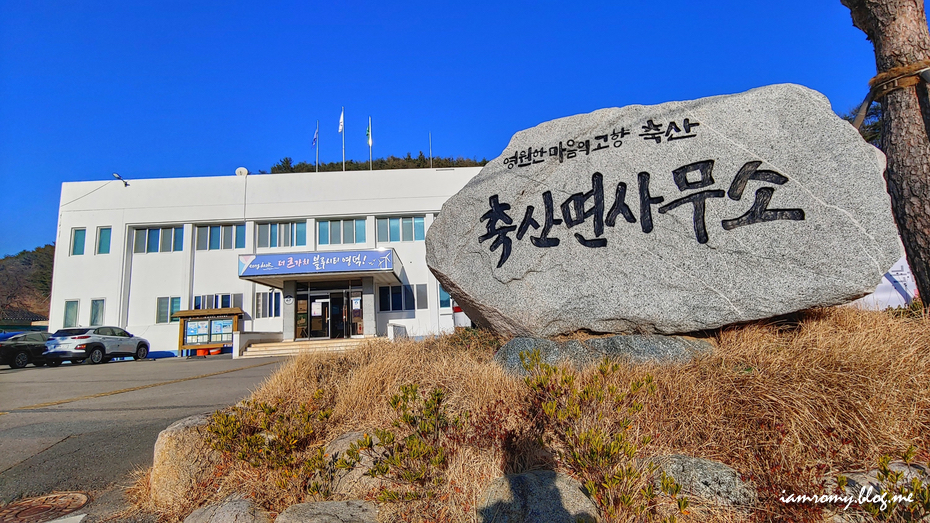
<point x="88" y="427"/>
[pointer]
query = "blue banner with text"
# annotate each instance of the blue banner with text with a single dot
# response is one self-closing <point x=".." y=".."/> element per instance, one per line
<point x="315" y="262"/>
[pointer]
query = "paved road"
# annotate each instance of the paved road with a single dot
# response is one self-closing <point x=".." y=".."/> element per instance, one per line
<point x="88" y="427"/>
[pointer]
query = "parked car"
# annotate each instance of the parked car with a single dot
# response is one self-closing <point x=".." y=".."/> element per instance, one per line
<point x="18" y="349"/>
<point x="94" y="344"/>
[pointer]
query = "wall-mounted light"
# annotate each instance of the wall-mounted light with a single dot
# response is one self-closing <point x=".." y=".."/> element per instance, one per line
<point x="120" y="178"/>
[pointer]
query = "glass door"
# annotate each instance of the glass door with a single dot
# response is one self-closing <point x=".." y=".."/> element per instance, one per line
<point x="300" y="318"/>
<point x="338" y="314"/>
<point x="355" y="313"/>
<point x="319" y="317"/>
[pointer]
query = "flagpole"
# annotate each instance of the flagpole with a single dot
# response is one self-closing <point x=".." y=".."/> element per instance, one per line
<point x="431" y="150"/>
<point x="317" y="140"/>
<point x="341" y="120"/>
<point x="369" y="143"/>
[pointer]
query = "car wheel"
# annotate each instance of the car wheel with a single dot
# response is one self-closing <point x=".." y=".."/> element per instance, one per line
<point x="96" y="356"/>
<point x="20" y="360"/>
<point x="141" y="352"/>
<point x="54" y="363"/>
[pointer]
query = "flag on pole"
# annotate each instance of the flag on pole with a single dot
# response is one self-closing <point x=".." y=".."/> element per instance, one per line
<point x="368" y="134"/>
<point x="316" y="136"/>
<point x="341" y="119"/>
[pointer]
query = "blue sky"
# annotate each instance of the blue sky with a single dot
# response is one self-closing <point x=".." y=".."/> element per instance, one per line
<point x="193" y="88"/>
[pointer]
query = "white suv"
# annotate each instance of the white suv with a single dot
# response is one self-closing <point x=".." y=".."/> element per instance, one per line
<point x="94" y="344"/>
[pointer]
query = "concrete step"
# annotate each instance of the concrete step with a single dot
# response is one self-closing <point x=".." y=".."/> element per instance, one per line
<point x="293" y="348"/>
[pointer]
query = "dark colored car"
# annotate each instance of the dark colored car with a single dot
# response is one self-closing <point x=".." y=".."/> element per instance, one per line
<point x="18" y="349"/>
<point x="94" y="344"/>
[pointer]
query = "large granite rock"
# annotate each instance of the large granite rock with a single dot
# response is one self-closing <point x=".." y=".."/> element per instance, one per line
<point x="183" y="459"/>
<point x="540" y="495"/>
<point x="635" y="348"/>
<point x="669" y="218"/>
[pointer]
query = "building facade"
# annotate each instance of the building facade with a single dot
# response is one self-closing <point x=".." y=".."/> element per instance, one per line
<point x="304" y="255"/>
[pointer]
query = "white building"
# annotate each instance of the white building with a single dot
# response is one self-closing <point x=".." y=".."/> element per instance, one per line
<point x="305" y="256"/>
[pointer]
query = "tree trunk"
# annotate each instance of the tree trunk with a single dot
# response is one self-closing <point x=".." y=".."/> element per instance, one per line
<point x="898" y="30"/>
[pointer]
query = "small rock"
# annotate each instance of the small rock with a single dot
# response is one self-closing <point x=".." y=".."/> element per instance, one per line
<point x="541" y="495"/>
<point x="508" y="356"/>
<point x="707" y="479"/>
<point x="235" y="510"/>
<point x="856" y="481"/>
<point x="636" y="348"/>
<point x="183" y="459"/>
<point x="352" y="482"/>
<point x="649" y="348"/>
<point x="351" y="511"/>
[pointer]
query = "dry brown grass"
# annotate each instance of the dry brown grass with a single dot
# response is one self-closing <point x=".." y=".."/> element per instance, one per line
<point x="784" y="404"/>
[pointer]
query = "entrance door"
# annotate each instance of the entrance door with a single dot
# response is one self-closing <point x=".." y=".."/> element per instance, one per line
<point x="338" y="315"/>
<point x="300" y="318"/>
<point x="354" y="312"/>
<point x="319" y="317"/>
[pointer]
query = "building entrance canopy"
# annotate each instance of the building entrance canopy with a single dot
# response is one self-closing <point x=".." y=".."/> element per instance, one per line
<point x="272" y="270"/>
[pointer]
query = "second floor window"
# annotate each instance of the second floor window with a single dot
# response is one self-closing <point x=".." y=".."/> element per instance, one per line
<point x="282" y="234"/>
<point x="220" y="237"/>
<point x="166" y="239"/>
<point x="103" y="240"/>
<point x="403" y="229"/>
<point x="336" y="232"/>
<point x="77" y="241"/>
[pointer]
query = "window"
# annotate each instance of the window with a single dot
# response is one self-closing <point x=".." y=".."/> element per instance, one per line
<point x="178" y="243"/>
<point x="152" y="241"/>
<point x="165" y="307"/>
<point x="96" y="312"/>
<point x="240" y="236"/>
<point x="217" y="237"/>
<point x="165" y="239"/>
<point x="404" y="229"/>
<point x="214" y="237"/>
<point x="103" y="240"/>
<point x="422" y="302"/>
<point x="217" y="301"/>
<point x="268" y="304"/>
<point x="336" y="232"/>
<point x="445" y="301"/>
<point x="77" y="242"/>
<point x="71" y="313"/>
<point x="397" y="298"/>
<point x="284" y="234"/>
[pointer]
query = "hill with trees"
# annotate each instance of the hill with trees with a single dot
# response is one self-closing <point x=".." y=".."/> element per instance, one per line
<point x="26" y="280"/>
<point x="287" y="165"/>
